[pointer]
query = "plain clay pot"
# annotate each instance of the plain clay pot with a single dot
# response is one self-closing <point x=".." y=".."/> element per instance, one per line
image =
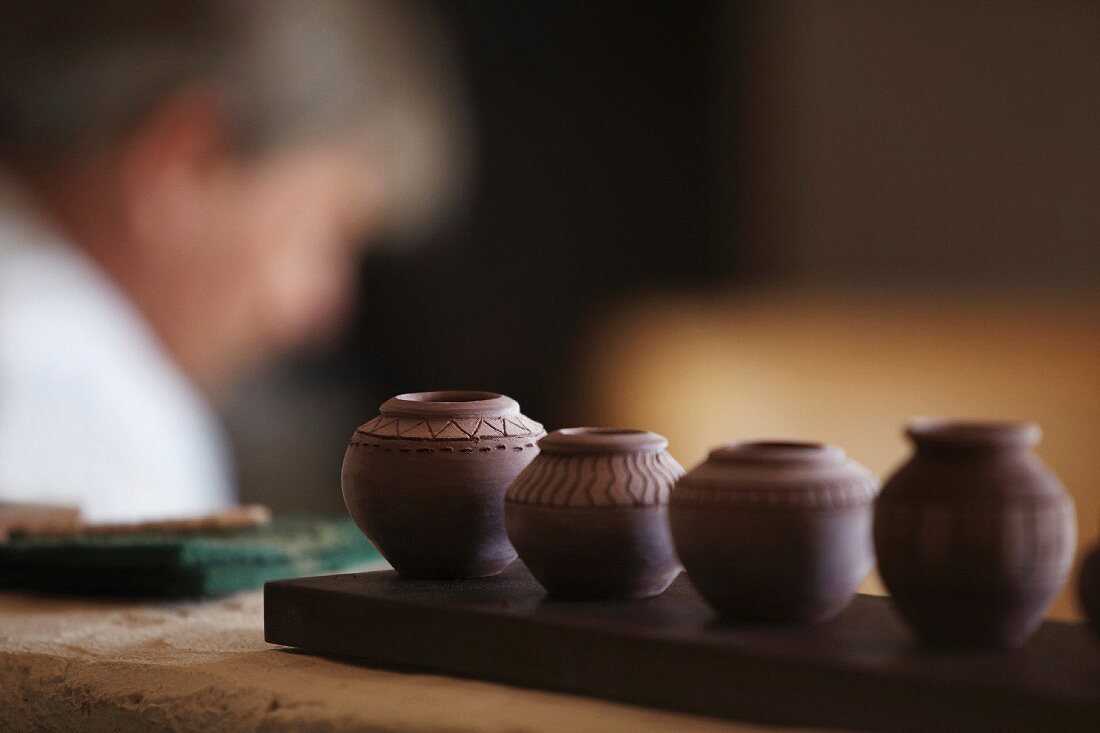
<point x="974" y="534"/>
<point x="775" y="532"/>
<point x="589" y="516"/>
<point x="425" y="480"/>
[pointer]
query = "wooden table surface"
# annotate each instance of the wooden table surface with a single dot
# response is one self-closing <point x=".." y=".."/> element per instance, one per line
<point x="75" y="664"/>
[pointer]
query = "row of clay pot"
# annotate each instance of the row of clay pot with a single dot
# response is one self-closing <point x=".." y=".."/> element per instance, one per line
<point x="974" y="536"/>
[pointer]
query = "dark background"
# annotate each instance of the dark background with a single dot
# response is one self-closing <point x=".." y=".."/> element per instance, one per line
<point x="596" y="175"/>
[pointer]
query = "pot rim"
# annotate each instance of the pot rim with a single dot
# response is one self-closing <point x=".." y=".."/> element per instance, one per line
<point x="450" y="403"/>
<point x="778" y="451"/>
<point x="976" y="432"/>
<point x="602" y="440"/>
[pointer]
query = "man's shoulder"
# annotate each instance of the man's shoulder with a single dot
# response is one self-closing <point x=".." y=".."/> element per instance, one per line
<point x="55" y="308"/>
<point x="88" y="394"/>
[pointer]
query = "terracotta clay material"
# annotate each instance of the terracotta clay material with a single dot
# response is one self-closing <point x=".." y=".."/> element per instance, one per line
<point x="425" y="480"/>
<point x="1088" y="589"/>
<point x="589" y="516"/>
<point x="975" y="536"/>
<point x="775" y="532"/>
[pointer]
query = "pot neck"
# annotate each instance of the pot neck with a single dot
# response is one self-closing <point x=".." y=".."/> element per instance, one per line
<point x="779" y="453"/>
<point x="602" y="440"/>
<point x="450" y="404"/>
<point x="973" y="435"/>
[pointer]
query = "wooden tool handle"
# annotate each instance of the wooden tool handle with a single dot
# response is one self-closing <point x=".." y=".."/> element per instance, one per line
<point x="252" y="515"/>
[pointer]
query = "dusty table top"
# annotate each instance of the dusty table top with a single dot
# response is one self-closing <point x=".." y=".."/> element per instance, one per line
<point x="94" y="665"/>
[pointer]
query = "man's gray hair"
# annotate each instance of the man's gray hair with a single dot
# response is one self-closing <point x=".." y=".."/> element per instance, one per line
<point x="77" y="75"/>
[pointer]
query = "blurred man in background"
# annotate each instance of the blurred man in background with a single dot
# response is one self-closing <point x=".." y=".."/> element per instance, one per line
<point x="185" y="185"/>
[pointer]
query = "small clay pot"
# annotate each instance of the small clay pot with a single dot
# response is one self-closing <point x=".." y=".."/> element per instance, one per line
<point x="975" y="536"/>
<point x="425" y="480"/>
<point x="1088" y="589"/>
<point x="775" y="532"/>
<point x="589" y="516"/>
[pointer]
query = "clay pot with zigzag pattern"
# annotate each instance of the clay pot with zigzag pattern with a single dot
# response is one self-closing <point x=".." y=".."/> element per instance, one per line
<point x="425" y="480"/>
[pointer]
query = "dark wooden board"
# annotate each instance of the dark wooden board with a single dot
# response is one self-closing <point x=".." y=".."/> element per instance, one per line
<point x="858" y="671"/>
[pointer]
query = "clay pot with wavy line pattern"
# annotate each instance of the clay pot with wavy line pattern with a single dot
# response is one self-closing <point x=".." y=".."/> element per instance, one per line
<point x="975" y="536"/>
<point x="425" y="480"/>
<point x="589" y="516"/>
<point x="775" y="531"/>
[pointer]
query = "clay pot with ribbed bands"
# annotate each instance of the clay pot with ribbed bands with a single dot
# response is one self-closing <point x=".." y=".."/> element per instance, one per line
<point x="589" y="516"/>
<point x="775" y="531"/>
<point x="425" y="480"/>
<point x="975" y="535"/>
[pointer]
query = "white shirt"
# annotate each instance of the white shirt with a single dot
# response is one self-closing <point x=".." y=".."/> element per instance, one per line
<point x="93" y="411"/>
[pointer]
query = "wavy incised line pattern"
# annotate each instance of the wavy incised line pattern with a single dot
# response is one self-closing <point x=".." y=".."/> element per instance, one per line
<point x="597" y="480"/>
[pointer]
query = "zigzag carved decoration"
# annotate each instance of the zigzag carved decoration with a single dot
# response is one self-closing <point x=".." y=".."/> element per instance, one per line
<point x="474" y="428"/>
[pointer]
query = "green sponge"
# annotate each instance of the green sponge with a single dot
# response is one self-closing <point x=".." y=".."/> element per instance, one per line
<point x="182" y="565"/>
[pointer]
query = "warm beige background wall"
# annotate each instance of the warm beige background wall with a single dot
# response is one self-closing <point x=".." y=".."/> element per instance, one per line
<point x="851" y="371"/>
